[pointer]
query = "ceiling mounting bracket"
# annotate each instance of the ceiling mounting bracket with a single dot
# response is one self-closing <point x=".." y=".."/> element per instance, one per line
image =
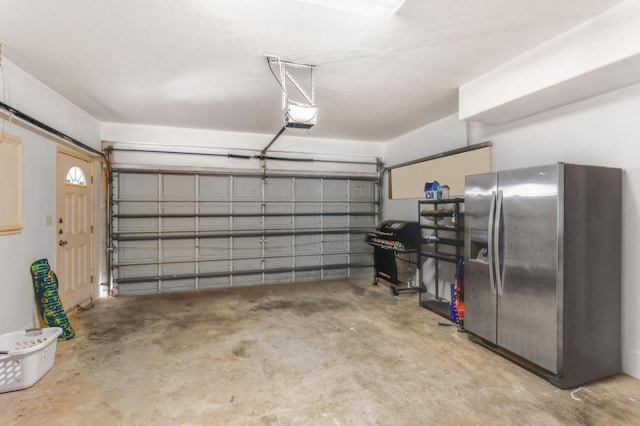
<point x="299" y="111"/>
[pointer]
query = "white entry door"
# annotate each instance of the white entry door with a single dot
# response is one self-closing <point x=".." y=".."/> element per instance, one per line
<point x="73" y="229"/>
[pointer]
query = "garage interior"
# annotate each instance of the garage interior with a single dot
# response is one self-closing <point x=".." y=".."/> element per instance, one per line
<point x="207" y="180"/>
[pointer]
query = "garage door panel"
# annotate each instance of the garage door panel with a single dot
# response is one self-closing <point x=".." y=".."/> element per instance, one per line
<point x="278" y="189"/>
<point x="178" y="187"/>
<point x="308" y="243"/>
<point x="245" y="207"/>
<point x="305" y="207"/>
<point x="181" y="207"/>
<point x="214" y="266"/>
<point x="312" y="222"/>
<point x="336" y="207"/>
<point x="225" y="228"/>
<point x="247" y="280"/>
<point x="307" y="189"/>
<point x="278" y="262"/>
<point x="247" y="246"/>
<point x="137" y="251"/>
<point x="214" y="223"/>
<point x="135" y="271"/>
<point x="359" y="245"/>
<point x="130" y="207"/>
<point x="212" y="248"/>
<point x="137" y="225"/>
<point x="335" y="273"/>
<point x="360" y="190"/>
<point x="284" y="277"/>
<point x="138" y="289"/>
<point x="279" y="207"/>
<point x="173" y="250"/>
<point x="176" y="224"/>
<point x="214" y="188"/>
<point x="214" y="207"/>
<point x="336" y="221"/>
<point x="137" y="187"/>
<point x="278" y="222"/>
<point x="335" y="259"/>
<point x="275" y="246"/>
<point x="182" y="268"/>
<point x="175" y="286"/>
<point x="360" y="258"/>
<point x="334" y="189"/>
<point x="362" y="208"/>
<point x="247" y="264"/>
<point x="214" y="283"/>
<point x="363" y="221"/>
<point x="247" y="223"/>
<point x="246" y="188"/>
<point x="303" y="261"/>
<point x="335" y="243"/>
<point x="361" y="271"/>
<point x="308" y="276"/>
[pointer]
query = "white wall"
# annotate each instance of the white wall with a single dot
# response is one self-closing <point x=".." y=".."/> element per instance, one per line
<point x="290" y="144"/>
<point x="32" y="97"/>
<point x="600" y="131"/>
<point x="37" y="240"/>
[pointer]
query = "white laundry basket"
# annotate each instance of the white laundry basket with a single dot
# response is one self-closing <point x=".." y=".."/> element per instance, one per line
<point x="26" y="356"/>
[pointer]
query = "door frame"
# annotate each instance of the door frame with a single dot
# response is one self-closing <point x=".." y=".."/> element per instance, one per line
<point x="90" y="187"/>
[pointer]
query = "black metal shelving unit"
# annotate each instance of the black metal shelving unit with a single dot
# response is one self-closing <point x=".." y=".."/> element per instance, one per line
<point x="445" y="220"/>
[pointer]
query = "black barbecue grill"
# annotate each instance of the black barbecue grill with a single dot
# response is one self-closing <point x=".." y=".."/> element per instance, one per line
<point x="395" y="244"/>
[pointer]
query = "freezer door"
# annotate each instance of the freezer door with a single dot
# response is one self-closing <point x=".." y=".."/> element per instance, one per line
<point x="527" y="236"/>
<point x="479" y="286"/>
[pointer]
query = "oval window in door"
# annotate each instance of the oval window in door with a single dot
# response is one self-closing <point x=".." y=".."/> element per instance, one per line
<point x="75" y="176"/>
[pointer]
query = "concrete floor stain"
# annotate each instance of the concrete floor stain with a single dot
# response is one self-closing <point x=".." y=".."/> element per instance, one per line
<point x="330" y="352"/>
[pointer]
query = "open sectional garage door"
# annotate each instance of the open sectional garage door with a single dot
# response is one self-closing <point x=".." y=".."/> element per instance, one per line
<point x="187" y="231"/>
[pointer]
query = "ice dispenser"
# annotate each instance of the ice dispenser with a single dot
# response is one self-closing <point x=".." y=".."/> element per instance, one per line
<point x="479" y="247"/>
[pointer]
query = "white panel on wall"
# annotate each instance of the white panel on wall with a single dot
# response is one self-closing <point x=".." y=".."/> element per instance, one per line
<point x="451" y="170"/>
<point x="10" y="184"/>
<point x="443" y="135"/>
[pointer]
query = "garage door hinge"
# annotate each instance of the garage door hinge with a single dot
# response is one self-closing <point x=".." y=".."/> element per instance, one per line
<point x="92" y="229"/>
<point x="92" y="279"/>
<point x="91" y="179"/>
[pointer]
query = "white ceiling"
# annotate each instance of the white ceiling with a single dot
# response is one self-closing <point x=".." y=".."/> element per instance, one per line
<point x="200" y="63"/>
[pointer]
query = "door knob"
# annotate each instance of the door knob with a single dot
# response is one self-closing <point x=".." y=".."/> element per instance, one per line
<point x="62" y="243"/>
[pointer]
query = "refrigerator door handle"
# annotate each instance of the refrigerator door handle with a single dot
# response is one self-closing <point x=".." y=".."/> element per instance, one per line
<point x="496" y="244"/>
<point x="490" y="257"/>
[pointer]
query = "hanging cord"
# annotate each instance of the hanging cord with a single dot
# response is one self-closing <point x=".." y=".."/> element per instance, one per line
<point x="274" y="74"/>
<point x="5" y="134"/>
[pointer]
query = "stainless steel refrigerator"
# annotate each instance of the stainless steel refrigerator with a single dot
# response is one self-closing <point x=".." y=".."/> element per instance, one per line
<point x="542" y="269"/>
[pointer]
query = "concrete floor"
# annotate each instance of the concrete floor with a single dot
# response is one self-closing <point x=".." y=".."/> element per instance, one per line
<point x="335" y="352"/>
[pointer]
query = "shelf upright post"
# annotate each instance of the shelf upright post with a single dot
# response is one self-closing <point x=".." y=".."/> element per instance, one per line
<point x="453" y="236"/>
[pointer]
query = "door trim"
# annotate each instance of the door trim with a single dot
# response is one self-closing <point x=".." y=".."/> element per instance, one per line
<point x="75" y="153"/>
